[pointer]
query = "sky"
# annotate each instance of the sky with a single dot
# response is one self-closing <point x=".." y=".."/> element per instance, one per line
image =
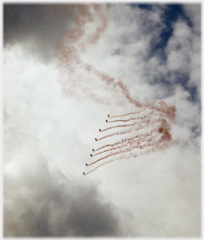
<point x="102" y="120"/>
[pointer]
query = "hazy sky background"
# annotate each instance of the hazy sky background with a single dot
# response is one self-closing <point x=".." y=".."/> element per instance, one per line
<point x="56" y="60"/>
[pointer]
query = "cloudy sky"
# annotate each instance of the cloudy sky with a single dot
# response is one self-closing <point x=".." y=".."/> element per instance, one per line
<point x="66" y="67"/>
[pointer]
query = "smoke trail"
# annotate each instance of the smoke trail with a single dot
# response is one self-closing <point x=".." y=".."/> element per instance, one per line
<point x="163" y="121"/>
<point x="145" y="143"/>
<point x="127" y="114"/>
<point x="126" y="125"/>
<point x="131" y="119"/>
<point x="119" y="133"/>
<point x="122" y="120"/>
<point x="127" y="139"/>
<point x="126" y="143"/>
<point x="166" y="137"/>
<point x="142" y="120"/>
<point x="75" y="42"/>
<point x="145" y="152"/>
<point x="82" y="78"/>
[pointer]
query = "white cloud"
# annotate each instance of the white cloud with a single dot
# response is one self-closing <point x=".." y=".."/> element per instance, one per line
<point x="194" y="13"/>
<point x="179" y="48"/>
<point x="184" y="47"/>
<point x="49" y="135"/>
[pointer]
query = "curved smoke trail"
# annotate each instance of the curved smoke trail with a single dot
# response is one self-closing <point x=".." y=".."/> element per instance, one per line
<point x="80" y="78"/>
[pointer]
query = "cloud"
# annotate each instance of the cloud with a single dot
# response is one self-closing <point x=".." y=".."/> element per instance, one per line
<point x="42" y="198"/>
<point x="110" y="60"/>
<point x="44" y="202"/>
<point x="194" y="13"/>
<point x="38" y="27"/>
<point x="184" y="52"/>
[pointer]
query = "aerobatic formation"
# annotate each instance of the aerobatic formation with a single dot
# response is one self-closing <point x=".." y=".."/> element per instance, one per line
<point x="134" y="134"/>
<point x="145" y="131"/>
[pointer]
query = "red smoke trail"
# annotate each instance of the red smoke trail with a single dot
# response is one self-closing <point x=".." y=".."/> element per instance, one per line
<point x="148" y="142"/>
<point x="165" y="137"/>
<point x="113" y="134"/>
<point x="74" y="42"/>
<point x="119" y="133"/>
<point x="122" y="120"/>
<point x="145" y="119"/>
<point x="126" y="143"/>
<point x="81" y="78"/>
<point x="130" y="130"/>
<point x="142" y="120"/>
<point x="127" y="139"/>
<point x="127" y="114"/>
<point x="143" y="153"/>
<point x="131" y="119"/>
<point x="126" y="125"/>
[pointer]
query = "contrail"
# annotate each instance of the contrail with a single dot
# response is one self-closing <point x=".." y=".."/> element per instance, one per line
<point x="165" y="137"/>
<point x="146" y="152"/>
<point x="127" y="114"/>
<point x="155" y="140"/>
<point x="126" y="143"/>
<point x="80" y="78"/>
<point x="124" y="140"/>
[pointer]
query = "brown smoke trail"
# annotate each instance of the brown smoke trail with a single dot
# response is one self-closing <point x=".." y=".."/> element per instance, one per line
<point x="101" y="13"/>
<point x="123" y="120"/>
<point x="137" y="144"/>
<point x="165" y="138"/>
<point x="142" y="120"/>
<point x="127" y="114"/>
<point x="113" y="134"/>
<point x="145" y="152"/>
<point x="130" y="119"/>
<point x="76" y="41"/>
<point x="125" y="125"/>
<point x="147" y="143"/>
<point x="126" y="139"/>
<point x="73" y="43"/>
<point x="119" y="133"/>
<point x="80" y="78"/>
<point x="128" y="142"/>
<point x="130" y="130"/>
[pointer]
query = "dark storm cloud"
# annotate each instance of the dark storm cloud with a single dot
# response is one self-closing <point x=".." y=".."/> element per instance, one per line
<point x="40" y="203"/>
<point x="38" y="26"/>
